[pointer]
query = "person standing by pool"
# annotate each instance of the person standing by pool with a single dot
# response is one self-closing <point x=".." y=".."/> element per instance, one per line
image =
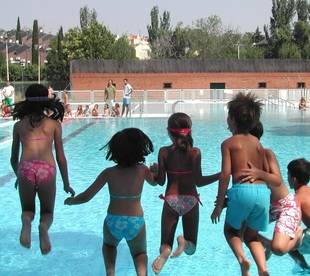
<point x="109" y="95"/>
<point x="248" y="203"/>
<point x="181" y="162"/>
<point x="36" y="171"/>
<point x="126" y="97"/>
<point x="127" y="148"/>
<point x="8" y="96"/>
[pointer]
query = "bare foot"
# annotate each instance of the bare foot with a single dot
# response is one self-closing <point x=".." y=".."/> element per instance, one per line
<point x="245" y="267"/>
<point x="45" y="244"/>
<point x="180" y="248"/>
<point x="264" y="273"/>
<point x="160" y="261"/>
<point x="25" y="234"/>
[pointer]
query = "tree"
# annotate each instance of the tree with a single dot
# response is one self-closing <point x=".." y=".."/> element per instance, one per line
<point x="18" y="35"/>
<point x="122" y="50"/>
<point x="35" y="42"/>
<point x="87" y="17"/>
<point x="153" y="29"/>
<point x="160" y="34"/>
<point x="283" y="12"/>
<point x="57" y="68"/>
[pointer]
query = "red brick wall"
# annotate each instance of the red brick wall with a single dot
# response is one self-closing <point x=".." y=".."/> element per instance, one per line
<point x="144" y="81"/>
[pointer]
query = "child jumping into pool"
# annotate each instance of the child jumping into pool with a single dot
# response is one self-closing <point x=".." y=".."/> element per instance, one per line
<point x="127" y="148"/>
<point x="36" y="172"/>
<point x="248" y="203"/>
<point x="285" y="208"/>
<point x="181" y="162"/>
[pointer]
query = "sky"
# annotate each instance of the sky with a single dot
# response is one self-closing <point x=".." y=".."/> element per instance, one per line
<point x="132" y="16"/>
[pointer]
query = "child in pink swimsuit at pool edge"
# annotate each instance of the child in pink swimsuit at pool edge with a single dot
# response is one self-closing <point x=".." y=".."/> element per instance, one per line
<point x="181" y="162"/>
<point x="38" y="129"/>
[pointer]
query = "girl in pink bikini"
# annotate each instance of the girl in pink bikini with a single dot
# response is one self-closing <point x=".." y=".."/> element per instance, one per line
<point x="181" y="162"/>
<point x="38" y="129"/>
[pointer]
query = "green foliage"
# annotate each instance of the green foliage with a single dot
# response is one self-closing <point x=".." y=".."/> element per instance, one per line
<point x="18" y="35"/>
<point x="35" y="43"/>
<point x="87" y="17"/>
<point x="57" y="68"/>
<point x="122" y="50"/>
<point x="289" y="50"/>
<point x="302" y="9"/>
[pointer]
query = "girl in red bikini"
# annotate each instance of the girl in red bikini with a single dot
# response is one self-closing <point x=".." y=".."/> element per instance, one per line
<point x="38" y="129"/>
<point x="181" y="162"/>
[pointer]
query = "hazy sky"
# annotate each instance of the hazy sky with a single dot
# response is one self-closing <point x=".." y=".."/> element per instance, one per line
<point x="132" y="16"/>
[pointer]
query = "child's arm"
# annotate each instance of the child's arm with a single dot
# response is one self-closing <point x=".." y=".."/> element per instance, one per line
<point x="90" y="192"/>
<point x="15" y="151"/>
<point x="272" y="178"/>
<point x="223" y="183"/>
<point x="150" y="176"/>
<point x="61" y="159"/>
<point x="161" y="176"/>
<point x="203" y="180"/>
<point x="208" y="179"/>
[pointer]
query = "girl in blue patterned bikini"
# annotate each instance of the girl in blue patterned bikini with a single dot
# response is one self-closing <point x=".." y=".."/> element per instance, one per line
<point x="181" y="162"/>
<point x="127" y="148"/>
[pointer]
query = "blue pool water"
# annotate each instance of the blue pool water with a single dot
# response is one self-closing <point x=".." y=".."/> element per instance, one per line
<point x="76" y="234"/>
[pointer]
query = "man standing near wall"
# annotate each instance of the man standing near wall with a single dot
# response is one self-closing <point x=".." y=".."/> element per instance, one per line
<point x="126" y="97"/>
<point x="8" y="95"/>
<point x="109" y="95"/>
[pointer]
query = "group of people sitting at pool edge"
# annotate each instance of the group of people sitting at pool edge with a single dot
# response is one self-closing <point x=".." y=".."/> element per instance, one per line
<point x="110" y="108"/>
<point x="258" y="194"/>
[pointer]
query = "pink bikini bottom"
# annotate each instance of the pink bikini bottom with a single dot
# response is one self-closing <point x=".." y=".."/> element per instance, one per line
<point x="182" y="204"/>
<point x="36" y="171"/>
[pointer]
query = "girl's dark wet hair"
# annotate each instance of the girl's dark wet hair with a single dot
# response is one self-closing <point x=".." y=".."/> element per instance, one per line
<point x="38" y="106"/>
<point x="245" y="109"/>
<point x="258" y="130"/>
<point x="300" y="168"/>
<point x="129" y="147"/>
<point x="179" y="120"/>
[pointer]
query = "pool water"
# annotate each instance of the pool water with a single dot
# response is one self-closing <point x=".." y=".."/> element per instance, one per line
<point x="76" y="234"/>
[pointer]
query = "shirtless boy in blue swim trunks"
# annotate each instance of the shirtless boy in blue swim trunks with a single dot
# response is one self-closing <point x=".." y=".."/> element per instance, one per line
<point x="248" y="204"/>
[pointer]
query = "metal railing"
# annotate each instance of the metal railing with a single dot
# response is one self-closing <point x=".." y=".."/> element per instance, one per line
<point x="165" y="101"/>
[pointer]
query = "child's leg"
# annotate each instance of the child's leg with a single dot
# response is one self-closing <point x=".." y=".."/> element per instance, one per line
<point x="109" y="250"/>
<point x="257" y="250"/>
<point x="187" y="243"/>
<point x="267" y="244"/>
<point x="234" y="239"/>
<point x="282" y="243"/>
<point x="46" y="193"/>
<point x="299" y="259"/>
<point x="137" y="248"/>
<point x="169" y="222"/>
<point x="27" y="199"/>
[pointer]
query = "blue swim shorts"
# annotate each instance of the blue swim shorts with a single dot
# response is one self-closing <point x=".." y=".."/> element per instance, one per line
<point x="249" y="204"/>
<point x="126" y="101"/>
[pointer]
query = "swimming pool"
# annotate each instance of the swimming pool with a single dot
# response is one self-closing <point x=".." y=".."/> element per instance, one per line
<point x="76" y="234"/>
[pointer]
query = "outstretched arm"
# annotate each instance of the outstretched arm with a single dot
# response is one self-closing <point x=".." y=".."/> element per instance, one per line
<point x="161" y="175"/>
<point x="61" y="159"/>
<point x="202" y="180"/>
<point x="90" y="192"/>
<point x="150" y="176"/>
<point x="223" y="183"/>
